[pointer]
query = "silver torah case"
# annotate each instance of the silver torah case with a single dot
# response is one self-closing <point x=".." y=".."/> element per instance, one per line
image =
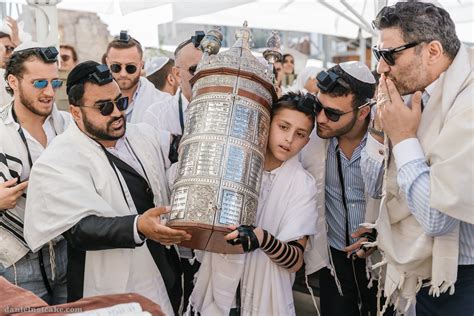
<point x="222" y="151"/>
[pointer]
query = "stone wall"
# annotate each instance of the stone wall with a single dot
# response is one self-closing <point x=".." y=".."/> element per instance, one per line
<point x="85" y="31"/>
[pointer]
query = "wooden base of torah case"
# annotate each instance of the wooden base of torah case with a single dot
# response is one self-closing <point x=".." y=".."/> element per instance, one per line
<point x="222" y="152"/>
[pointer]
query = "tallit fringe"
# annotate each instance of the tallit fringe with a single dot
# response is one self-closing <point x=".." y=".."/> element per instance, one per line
<point x="332" y="269"/>
<point x="436" y="291"/>
<point x="52" y="260"/>
<point x="310" y="289"/>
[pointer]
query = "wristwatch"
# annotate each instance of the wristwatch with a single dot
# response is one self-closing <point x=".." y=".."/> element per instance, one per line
<point x="374" y="131"/>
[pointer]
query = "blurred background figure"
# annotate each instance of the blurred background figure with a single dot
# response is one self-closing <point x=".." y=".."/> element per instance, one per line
<point x="5" y="98"/>
<point x="306" y="81"/>
<point x="158" y="71"/>
<point x="68" y="57"/>
<point x="289" y="75"/>
<point x="9" y="37"/>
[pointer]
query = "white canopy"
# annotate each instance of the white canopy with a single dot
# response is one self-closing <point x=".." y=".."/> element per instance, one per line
<point x="339" y="18"/>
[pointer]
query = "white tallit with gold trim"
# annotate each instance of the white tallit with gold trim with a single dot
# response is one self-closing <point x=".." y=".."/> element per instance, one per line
<point x="446" y="135"/>
<point x="288" y="213"/>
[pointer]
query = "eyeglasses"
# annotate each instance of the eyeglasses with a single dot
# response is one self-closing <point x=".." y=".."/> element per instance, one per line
<point x="43" y="83"/>
<point x="335" y="115"/>
<point x="65" y="58"/>
<point x="9" y="49"/>
<point x="388" y="54"/>
<point x="116" y="68"/>
<point x="106" y="108"/>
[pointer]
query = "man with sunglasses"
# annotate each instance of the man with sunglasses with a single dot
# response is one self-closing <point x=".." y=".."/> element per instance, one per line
<point x="68" y="57"/>
<point x="28" y="126"/>
<point x="125" y="60"/>
<point x="333" y="156"/>
<point x="421" y="146"/>
<point x="102" y="185"/>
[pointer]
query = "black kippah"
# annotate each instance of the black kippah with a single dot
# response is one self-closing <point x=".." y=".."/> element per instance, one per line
<point x="88" y="71"/>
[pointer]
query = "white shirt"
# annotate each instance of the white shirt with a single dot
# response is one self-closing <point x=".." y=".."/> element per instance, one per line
<point x="35" y="148"/>
<point x="164" y="115"/>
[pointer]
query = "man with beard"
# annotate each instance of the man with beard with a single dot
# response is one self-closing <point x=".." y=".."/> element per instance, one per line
<point x="333" y="158"/>
<point x="27" y="126"/>
<point x="426" y="224"/>
<point x="125" y="60"/>
<point x="102" y="185"/>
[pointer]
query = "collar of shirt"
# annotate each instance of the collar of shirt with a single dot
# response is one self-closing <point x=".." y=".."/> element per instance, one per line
<point x="129" y="110"/>
<point x="427" y="93"/>
<point x="333" y="145"/>
<point x="47" y="125"/>
<point x="122" y="151"/>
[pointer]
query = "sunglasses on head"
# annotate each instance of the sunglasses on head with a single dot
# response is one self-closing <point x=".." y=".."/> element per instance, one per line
<point x="107" y="107"/>
<point x="43" y="83"/>
<point x="116" y="68"/>
<point x="388" y="55"/>
<point x="334" y="115"/>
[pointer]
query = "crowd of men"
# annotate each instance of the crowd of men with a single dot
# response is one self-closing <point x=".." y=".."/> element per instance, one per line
<point x="368" y="182"/>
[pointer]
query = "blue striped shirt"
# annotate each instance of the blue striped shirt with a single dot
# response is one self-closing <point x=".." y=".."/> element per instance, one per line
<point x="354" y="190"/>
<point x="414" y="179"/>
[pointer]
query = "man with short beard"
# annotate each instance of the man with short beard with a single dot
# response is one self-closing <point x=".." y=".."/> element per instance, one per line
<point x="333" y="158"/>
<point x="27" y="126"/>
<point x="425" y="109"/>
<point x="124" y="57"/>
<point x="102" y="185"/>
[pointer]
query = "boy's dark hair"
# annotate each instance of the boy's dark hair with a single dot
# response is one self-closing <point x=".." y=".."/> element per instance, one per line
<point x="119" y="43"/>
<point x="15" y="65"/>
<point x="158" y="78"/>
<point x="72" y="49"/>
<point x="304" y="103"/>
<point x="361" y="90"/>
<point x="420" y="22"/>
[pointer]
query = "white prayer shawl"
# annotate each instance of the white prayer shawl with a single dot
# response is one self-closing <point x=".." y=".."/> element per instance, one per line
<point x="147" y="95"/>
<point x="74" y="179"/>
<point x="13" y="248"/>
<point x="288" y="214"/>
<point x="313" y="158"/>
<point x="164" y="115"/>
<point x="446" y="136"/>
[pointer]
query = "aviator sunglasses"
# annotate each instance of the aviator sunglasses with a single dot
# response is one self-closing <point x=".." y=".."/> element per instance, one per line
<point x="130" y="69"/>
<point x="43" y="83"/>
<point x="389" y="54"/>
<point x="107" y="107"/>
<point x="335" y="115"/>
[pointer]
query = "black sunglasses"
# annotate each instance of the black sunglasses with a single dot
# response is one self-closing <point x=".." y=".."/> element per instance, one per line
<point x="116" y="68"/>
<point x="9" y="49"/>
<point x="106" y="108"/>
<point x="334" y="115"/>
<point x="388" y="54"/>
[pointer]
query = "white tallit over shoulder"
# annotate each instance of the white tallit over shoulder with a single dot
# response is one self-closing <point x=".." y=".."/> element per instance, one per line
<point x="289" y="213"/>
<point x="74" y="179"/>
<point x="146" y="96"/>
<point x="14" y="163"/>
<point x="446" y="135"/>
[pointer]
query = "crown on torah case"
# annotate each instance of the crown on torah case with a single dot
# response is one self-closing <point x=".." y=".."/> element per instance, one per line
<point x="222" y="152"/>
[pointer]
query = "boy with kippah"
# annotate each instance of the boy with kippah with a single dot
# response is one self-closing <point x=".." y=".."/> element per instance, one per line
<point x="259" y="282"/>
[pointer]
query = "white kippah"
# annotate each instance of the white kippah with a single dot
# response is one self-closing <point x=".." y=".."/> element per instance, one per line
<point x="27" y="45"/>
<point x="358" y="70"/>
<point x="155" y="64"/>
